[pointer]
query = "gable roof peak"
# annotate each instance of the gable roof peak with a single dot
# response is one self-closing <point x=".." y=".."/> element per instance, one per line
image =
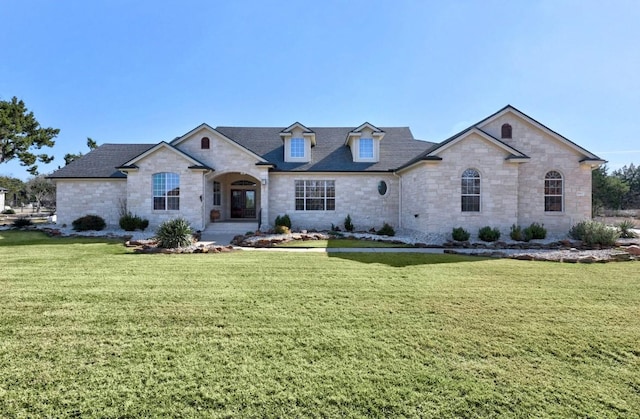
<point x="296" y="124"/>
<point x="367" y="125"/>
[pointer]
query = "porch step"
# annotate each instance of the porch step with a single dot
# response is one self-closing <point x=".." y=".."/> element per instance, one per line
<point x="231" y="227"/>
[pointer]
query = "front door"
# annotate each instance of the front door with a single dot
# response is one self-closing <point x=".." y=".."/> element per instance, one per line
<point x="243" y="203"/>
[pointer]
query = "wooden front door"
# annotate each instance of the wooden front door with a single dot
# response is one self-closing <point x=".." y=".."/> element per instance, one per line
<point x="243" y="203"/>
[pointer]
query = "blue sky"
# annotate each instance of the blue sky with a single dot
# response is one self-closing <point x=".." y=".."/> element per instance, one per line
<point x="147" y="71"/>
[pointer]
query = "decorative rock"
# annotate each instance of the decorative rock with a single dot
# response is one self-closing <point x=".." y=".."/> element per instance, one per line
<point x="633" y="250"/>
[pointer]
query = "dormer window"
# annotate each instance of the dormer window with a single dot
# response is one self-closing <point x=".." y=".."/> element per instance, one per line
<point x="298" y="141"/>
<point x="365" y="149"/>
<point x="297" y="148"/>
<point x="364" y="143"/>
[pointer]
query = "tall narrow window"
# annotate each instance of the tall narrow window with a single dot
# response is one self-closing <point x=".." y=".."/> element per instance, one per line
<point x="204" y="143"/>
<point x="315" y="195"/>
<point x="217" y="193"/>
<point x="297" y="148"/>
<point x="553" y="192"/>
<point x="166" y="191"/>
<point x="470" y="191"/>
<point x="506" y="131"/>
<point x="365" y="151"/>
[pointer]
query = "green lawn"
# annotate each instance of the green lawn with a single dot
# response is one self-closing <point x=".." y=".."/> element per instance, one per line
<point x="89" y="329"/>
<point x="340" y="243"/>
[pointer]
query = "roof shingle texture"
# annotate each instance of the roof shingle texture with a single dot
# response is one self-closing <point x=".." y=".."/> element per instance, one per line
<point x="330" y="153"/>
<point x="102" y="162"/>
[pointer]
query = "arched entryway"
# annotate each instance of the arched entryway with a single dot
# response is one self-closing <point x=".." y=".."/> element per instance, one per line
<point x="233" y="197"/>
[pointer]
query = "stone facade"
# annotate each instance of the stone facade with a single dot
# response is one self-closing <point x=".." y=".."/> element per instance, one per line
<point x="432" y="192"/>
<point x="425" y="196"/>
<point x="79" y="197"/>
<point x="140" y="189"/>
<point x="356" y="195"/>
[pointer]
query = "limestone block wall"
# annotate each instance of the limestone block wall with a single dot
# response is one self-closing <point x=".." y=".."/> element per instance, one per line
<point x="431" y="192"/>
<point x="140" y="189"/>
<point x="79" y="197"/>
<point x="356" y="194"/>
<point x="547" y="154"/>
<point x="226" y="158"/>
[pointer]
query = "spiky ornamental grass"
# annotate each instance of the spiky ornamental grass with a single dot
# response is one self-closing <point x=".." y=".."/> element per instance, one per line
<point x="174" y="233"/>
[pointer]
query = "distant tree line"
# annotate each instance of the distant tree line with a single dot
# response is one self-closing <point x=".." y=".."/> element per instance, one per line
<point x="616" y="191"/>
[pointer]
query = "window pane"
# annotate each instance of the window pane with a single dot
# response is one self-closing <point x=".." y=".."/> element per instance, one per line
<point x="297" y="147"/>
<point x="553" y="191"/>
<point x="366" y="148"/>
<point x="158" y="203"/>
<point x="470" y="191"/>
<point x="315" y="195"/>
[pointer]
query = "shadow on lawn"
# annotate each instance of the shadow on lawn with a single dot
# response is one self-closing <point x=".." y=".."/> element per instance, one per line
<point x="400" y="260"/>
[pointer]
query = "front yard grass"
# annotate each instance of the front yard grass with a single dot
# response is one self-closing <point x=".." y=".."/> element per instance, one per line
<point x="91" y="330"/>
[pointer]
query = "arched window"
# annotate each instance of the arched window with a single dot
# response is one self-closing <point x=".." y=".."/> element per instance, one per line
<point x="553" y="191"/>
<point x="470" y="191"/>
<point x="166" y="191"/>
<point x="506" y="131"/>
<point x="204" y="143"/>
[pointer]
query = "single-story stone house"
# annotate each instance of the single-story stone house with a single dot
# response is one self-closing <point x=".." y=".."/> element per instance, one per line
<point x="506" y="169"/>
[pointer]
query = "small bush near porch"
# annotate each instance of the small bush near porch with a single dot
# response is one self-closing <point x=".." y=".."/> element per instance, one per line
<point x="91" y="330"/>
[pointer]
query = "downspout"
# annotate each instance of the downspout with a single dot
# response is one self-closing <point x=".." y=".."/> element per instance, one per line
<point x="399" y="199"/>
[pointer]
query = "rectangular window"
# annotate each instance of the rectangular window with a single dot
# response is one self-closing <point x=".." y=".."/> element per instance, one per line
<point x="315" y="195"/>
<point x="297" y="148"/>
<point x="365" y="151"/>
<point x="217" y="193"/>
<point x="166" y="191"/>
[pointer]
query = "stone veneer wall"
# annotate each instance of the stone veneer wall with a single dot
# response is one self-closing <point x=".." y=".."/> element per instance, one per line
<point x="140" y="190"/>
<point x="356" y="194"/>
<point x="431" y="192"/>
<point x="79" y="197"/>
<point x="225" y="158"/>
<point x="546" y="154"/>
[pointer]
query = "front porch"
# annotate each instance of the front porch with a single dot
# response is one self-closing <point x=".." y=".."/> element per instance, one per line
<point x="235" y="198"/>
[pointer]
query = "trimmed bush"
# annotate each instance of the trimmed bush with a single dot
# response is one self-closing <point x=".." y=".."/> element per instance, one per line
<point x="386" y="230"/>
<point x="348" y="225"/>
<point x="459" y="234"/>
<point x="8" y="211"/>
<point x="174" y="233"/>
<point x="594" y="233"/>
<point x="488" y="234"/>
<point x="516" y="233"/>
<point x="280" y="229"/>
<point x="535" y="232"/>
<point x="89" y="222"/>
<point x="22" y="222"/>
<point x="283" y="221"/>
<point x="130" y="222"/>
<point x="625" y="228"/>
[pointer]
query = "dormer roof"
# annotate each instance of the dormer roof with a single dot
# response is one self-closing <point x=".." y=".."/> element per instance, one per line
<point x="306" y="132"/>
<point x="377" y="133"/>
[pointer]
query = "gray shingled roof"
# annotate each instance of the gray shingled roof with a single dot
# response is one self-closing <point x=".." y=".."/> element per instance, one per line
<point x="330" y="153"/>
<point x="101" y="162"/>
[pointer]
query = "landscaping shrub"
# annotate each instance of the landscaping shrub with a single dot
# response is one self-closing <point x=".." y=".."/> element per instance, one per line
<point x="488" y="234"/>
<point x="348" y="225"/>
<point x="89" y="222"/>
<point x="281" y="229"/>
<point x="174" y="233"/>
<point x="335" y="227"/>
<point x="594" y="232"/>
<point x="8" y="211"/>
<point x="130" y="222"/>
<point x="22" y="222"/>
<point x="386" y="230"/>
<point x="516" y="233"/>
<point x="625" y="228"/>
<point x="459" y="234"/>
<point x="283" y="221"/>
<point x="535" y="232"/>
